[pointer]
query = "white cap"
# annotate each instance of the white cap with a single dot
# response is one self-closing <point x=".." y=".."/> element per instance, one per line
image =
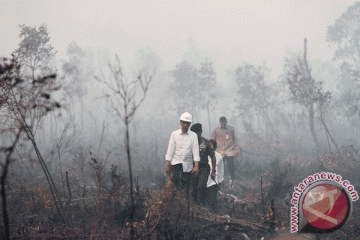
<point x="186" y="117"/>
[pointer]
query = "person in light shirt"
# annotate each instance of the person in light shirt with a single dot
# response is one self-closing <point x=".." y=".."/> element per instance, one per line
<point x="227" y="145"/>
<point x="214" y="186"/>
<point x="182" y="156"/>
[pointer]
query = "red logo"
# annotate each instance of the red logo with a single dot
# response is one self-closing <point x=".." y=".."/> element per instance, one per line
<point x="325" y="206"/>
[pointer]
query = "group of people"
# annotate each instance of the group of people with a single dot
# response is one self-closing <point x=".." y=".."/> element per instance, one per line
<point x="196" y="165"/>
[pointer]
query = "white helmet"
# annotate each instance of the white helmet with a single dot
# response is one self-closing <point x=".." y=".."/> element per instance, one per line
<point x="186" y="117"/>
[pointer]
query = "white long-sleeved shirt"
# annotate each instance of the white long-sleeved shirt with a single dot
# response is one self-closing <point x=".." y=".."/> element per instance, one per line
<point x="219" y="175"/>
<point x="183" y="148"/>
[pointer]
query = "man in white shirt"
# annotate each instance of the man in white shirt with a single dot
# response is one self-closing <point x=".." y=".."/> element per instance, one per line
<point x="213" y="186"/>
<point x="182" y="153"/>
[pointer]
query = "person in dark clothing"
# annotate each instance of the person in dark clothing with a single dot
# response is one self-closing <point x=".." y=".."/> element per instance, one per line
<point x="199" y="182"/>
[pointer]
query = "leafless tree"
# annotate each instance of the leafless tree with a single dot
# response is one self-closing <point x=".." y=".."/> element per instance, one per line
<point x="127" y="96"/>
<point x="18" y="98"/>
<point x="305" y="90"/>
<point x="5" y="168"/>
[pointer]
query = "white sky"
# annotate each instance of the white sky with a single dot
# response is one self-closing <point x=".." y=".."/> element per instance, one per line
<point x="229" y="31"/>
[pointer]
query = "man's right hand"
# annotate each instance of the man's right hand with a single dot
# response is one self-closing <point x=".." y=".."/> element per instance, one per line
<point x="168" y="168"/>
<point x="168" y="172"/>
<point x="169" y="183"/>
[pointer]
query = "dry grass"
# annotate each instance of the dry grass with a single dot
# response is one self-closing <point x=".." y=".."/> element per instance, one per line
<point x="101" y="211"/>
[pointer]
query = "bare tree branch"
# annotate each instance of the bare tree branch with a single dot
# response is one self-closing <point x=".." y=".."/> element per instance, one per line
<point x="128" y="101"/>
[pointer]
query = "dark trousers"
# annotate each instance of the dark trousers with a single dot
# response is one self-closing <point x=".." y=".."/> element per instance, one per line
<point x="212" y="198"/>
<point x="180" y="179"/>
<point x="199" y="184"/>
<point x="229" y="161"/>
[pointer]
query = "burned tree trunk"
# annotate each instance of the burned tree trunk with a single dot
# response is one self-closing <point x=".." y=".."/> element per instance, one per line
<point x="311" y="103"/>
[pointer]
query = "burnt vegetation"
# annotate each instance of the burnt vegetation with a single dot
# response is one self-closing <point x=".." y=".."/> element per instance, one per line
<point x="75" y="166"/>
